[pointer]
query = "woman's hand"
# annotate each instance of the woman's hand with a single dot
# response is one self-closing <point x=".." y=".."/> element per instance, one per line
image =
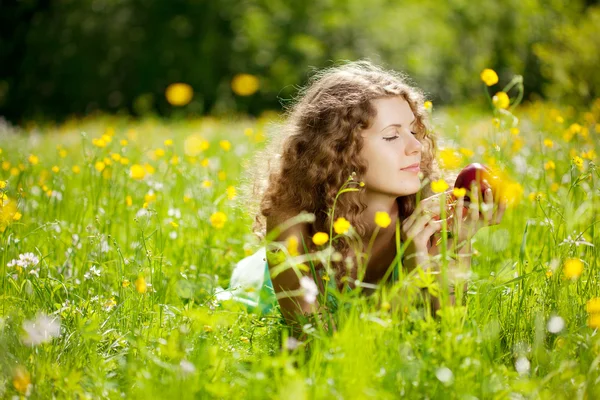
<point x="467" y="220"/>
<point x="418" y="229"/>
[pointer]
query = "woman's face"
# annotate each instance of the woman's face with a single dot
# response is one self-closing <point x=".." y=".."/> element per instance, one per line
<point x="390" y="146"/>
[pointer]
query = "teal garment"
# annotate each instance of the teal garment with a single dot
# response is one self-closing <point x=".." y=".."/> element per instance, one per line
<point x="268" y="299"/>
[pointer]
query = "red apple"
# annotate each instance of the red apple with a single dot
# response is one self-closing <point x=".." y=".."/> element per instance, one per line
<point x="478" y="173"/>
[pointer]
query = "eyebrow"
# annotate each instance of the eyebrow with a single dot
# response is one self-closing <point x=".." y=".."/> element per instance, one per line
<point x="398" y="125"/>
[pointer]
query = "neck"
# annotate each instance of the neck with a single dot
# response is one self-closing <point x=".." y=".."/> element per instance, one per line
<point x="380" y="202"/>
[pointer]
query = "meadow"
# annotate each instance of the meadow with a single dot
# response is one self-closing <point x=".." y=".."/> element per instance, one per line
<point x="116" y="234"/>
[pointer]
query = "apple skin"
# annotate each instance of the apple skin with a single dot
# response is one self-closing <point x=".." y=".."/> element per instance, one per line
<point x="478" y="173"/>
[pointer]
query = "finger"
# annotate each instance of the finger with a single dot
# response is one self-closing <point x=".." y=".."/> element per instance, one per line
<point x="500" y="212"/>
<point x="488" y="213"/>
<point x="474" y="206"/>
<point x="429" y="230"/>
<point x="419" y="225"/>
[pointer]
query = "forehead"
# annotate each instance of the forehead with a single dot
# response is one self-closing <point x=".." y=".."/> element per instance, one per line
<point x="392" y="110"/>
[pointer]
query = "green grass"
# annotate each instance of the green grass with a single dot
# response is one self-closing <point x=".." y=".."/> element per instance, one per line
<point x="176" y="341"/>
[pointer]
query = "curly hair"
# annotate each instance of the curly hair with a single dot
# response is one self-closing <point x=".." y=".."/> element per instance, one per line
<point x="314" y="150"/>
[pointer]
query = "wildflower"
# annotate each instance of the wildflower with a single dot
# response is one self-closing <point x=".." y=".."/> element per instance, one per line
<point x="123" y="142"/>
<point x="33" y="159"/>
<point x="206" y="183"/>
<point x="309" y="288"/>
<point x="137" y="172"/>
<point x="25" y="260"/>
<point x="444" y="375"/>
<point x="174" y="160"/>
<point x="225" y="145"/>
<point x="514" y="131"/>
<point x="341" y="225"/>
<point x="187" y="367"/>
<point x="439" y="186"/>
<point x="244" y="84"/>
<point x="593" y="305"/>
<point x="21" y="380"/>
<point x="428" y="105"/>
<point x="548" y="143"/>
<point x="466" y="152"/>
<point x="218" y="219"/>
<point x="292" y="245"/>
<point x="573" y="268"/>
<point x="320" y="238"/>
<point x="549" y="165"/>
<point x="489" y="77"/>
<point x="501" y="100"/>
<point x="41" y="330"/>
<point x="248" y="132"/>
<point x="158" y="153"/>
<point x="76" y="169"/>
<point x="554" y="187"/>
<point x="110" y="304"/>
<point x="522" y="365"/>
<point x="99" y="166"/>
<point x="193" y="145"/>
<point x="125" y="283"/>
<point x="179" y="94"/>
<point x="128" y="201"/>
<point x="244" y="339"/>
<point x="449" y="158"/>
<point x="140" y="285"/>
<point x="222" y="175"/>
<point x="231" y="192"/>
<point x="459" y="192"/>
<point x="382" y="219"/>
<point x="168" y="142"/>
<point x="594" y="321"/>
<point x="578" y="161"/>
<point x="555" y="324"/>
<point x="93" y="272"/>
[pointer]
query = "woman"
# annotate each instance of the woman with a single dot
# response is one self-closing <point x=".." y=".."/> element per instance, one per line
<point x="355" y="120"/>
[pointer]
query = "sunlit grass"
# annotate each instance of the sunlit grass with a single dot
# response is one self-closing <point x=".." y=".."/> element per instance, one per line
<point x="132" y="226"/>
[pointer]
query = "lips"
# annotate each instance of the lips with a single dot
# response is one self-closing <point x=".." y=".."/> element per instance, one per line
<point x="411" y="167"/>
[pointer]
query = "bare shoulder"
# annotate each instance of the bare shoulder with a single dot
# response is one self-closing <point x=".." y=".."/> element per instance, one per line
<point x="300" y="230"/>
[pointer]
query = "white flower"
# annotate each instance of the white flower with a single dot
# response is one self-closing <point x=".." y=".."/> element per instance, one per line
<point x="174" y="212"/>
<point x="173" y="235"/>
<point x="310" y="289"/>
<point x="93" y="272"/>
<point x="522" y="365"/>
<point x="26" y="260"/>
<point x="444" y="375"/>
<point x="41" y="330"/>
<point x="556" y="324"/>
<point x="187" y="367"/>
<point x="292" y="343"/>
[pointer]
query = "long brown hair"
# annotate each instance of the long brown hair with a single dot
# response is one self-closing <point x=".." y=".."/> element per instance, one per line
<point x="311" y="154"/>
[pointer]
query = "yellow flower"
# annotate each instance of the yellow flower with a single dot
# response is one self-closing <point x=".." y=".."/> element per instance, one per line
<point x="99" y="142"/>
<point x="427" y="105"/>
<point x="439" y="186"/>
<point x="554" y="187"/>
<point x="573" y="268"/>
<point x="244" y="339"/>
<point x="175" y="160"/>
<point x="225" y="145"/>
<point x="594" y="321"/>
<point x="124" y="161"/>
<point x="248" y="132"/>
<point x="382" y="219"/>
<point x="123" y="142"/>
<point x="168" y="142"/>
<point x="149" y="168"/>
<point x="218" y="219"/>
<point x="140" y="284"/>
<point x="125" y="283"/>
<point x="559" y="119"/>
<point x="449" y="158"/>
<point x="34" y="160"/>
<point x="501" y="100"/>
<point x="158" y="153"/>
<point x="549" y="165"/>
<point x="549" y="273"/>
<point x="489" y="77"/>
<point x="179" y="94"/>
<point x="206" y="183"/>
<point x="194" y="144"/>
<point x="548" y="143"/>
<point x="222" y="175"/>
<point x="5" y="165"/>
<point x="459" y="192"/>
<point x="21" y="379"/>
<point x="231" y="192"/>
<point x="204" y="162"/>
<point x="292" y="245"/>
<point x="496" y="122"/>
<point x="593" y="305"/>
<point x="320" y="238"/>
<point x="244" y="84"/>
<point x="137" y="171"/>
<point x="99" y="166"/>
<point x="2" y="184"/>
<point x="578" y="161"/>
<point x="514" y="131"/>
<point x="128" y="201"/>
<point x="55" y="169"/>
<point x="116" y="156"/>
<point x="62" y="153"/>
<point x="466" y="152"/>
<point x="575" y="128"/>
<point x="341" y="225"/>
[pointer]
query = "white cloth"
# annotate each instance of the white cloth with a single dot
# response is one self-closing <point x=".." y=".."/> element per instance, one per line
<point x="247" y="280"/>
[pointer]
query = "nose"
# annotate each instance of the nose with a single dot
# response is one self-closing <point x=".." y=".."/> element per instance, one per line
<point x="413" y="146"/>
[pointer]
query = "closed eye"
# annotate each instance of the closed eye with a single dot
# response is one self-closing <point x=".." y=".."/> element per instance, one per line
<point x="389" y="139"/>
